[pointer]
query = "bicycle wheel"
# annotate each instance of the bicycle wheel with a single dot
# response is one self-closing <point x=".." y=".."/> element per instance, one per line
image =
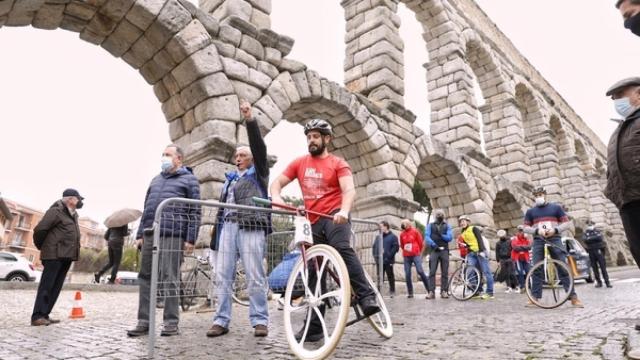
<point x="464" y="283"/>
<point x="548" y="278"/>
<point x="381" y="321"/>
<point x="327" y="302"/>
<point x="239" y="288"/>
<point x="188" y="291"/>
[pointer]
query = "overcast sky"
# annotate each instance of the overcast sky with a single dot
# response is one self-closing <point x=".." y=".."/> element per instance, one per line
<point x="74" y="116"/>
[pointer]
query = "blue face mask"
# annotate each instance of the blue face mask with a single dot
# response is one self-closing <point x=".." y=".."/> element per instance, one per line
<point x="166" y="163"/>
<point x="623" y="107"/>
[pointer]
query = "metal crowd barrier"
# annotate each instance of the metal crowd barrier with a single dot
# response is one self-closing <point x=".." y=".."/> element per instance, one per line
<point x="264" y="238"/>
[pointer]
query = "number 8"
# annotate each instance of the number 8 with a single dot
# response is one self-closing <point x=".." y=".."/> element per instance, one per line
<point x="306" y="230"/>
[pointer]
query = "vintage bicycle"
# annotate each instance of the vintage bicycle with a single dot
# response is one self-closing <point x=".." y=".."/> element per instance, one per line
<point x="465" y="280"/>
<point x="319" y="286"/>
<point x="550" y="282"/>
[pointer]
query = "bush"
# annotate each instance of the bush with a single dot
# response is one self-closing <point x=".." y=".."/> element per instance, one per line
<point x="86" y="260"/>
<point x="92" y="261"/>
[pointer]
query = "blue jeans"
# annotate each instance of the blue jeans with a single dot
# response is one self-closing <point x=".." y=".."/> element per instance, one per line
<point x="250" y="244"/>
<point x="556" y="253"/>
<point x="482" y="263"/>
<point x="522" y="268"/>
<point x="417" y="260"/>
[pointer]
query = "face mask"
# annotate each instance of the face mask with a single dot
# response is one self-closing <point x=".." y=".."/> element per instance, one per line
<point x="440" y="218"/>
<point x="623" y="107"/>
<point x="540" y="201"/>
<point x="591" y="227"/>
<point x="403" y="227"/>
<point x="166" y="163"/>
<point x="79" y="205"/>
<point x="633" y="24"/>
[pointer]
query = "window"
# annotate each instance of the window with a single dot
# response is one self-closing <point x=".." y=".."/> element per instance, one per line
<point x="4" y="257"/>
<point x="17" y="241"/>
<point x="31" y="258"/>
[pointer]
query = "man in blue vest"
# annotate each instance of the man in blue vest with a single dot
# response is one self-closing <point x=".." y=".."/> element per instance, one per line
<point x="438" y="235"/>
<point x="243" y="232"/>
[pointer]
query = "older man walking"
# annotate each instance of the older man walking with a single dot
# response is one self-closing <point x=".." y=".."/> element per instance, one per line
<point x="180" y="233"/>
<point x="57" y="236"/>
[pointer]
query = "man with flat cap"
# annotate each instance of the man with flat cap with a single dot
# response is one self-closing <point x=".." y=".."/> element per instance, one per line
<point x="623" y="161"/>
<point x="57" y="236"/>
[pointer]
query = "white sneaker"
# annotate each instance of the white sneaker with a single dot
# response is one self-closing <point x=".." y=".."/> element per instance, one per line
<point x="508" y="291"/>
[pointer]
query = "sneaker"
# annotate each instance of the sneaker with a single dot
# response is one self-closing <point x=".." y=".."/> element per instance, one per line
<point x="487" y="297"/>
<point x="523" y="290"/>
<point x="138" y="331"/>
<point x="410" y="296"/>
<point x="609" y="285"/>
<point x="444" y="295"/>
<point x="369" y="305"/>
<point x="169" y="330"/>
<point x="96" y="278"/>
<point x="260" y="331"/>
<point x="598" y="284"/>
<point x="217" y="330"/>
<point x="312" y="335"/>
<point x="430" y="295"/>
<point x="576" y="302"/>
<point x="637" y="326"/>
<point x="508" y="291"/>
<point x="40" y="322"/>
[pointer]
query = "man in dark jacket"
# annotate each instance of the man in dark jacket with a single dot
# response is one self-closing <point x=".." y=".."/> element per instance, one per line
<point x="243" y="232"/>
<point x="57" y="236"/>
<point x="390" y="246"/>
<point x="438" y="235"/>
<point x="178" y="231"/>
<point x="503" y="257"/>
<point x="596" y="248"/>
<point x="623" y="157"/>
<point x="630" y="10"/>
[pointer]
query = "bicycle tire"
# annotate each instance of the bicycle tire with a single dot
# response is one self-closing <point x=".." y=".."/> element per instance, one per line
<point x="310" y="303"/>
<point x="465" y="283"/>
<point x="188" y="290"/>
<point x="380" y="321"/>
<point x="559" y="294"/>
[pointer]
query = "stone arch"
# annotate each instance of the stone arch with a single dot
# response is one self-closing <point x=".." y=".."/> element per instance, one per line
<point x="448" y="181"/>
<point x="509" y="205"/>
<point x="560" y="136"/>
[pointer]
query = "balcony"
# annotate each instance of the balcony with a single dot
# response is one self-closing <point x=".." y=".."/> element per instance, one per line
<point x="24" y="226"/>
<point x="18" y="246"/>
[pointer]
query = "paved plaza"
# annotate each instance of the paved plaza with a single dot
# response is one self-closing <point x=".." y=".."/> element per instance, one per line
<point x="424" y="329"/>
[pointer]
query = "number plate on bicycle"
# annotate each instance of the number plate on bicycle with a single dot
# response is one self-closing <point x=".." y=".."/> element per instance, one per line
<point x="303" y="232"/>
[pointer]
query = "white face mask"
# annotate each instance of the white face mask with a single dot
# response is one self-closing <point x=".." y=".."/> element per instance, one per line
<point x="166" y="163"/>
<point x="591" y="227"/>
<point x="540" y="201"/>
<point x="623" y="107"/>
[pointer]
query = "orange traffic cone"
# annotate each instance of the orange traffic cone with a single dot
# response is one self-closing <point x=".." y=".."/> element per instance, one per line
<point x="77" y="312"/>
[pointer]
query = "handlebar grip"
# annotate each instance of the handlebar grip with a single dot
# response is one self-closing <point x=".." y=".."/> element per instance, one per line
<point x="261" y="201"/>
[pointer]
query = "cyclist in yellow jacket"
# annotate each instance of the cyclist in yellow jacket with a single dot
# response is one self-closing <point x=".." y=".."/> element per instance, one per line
<point x="478" y="255"/>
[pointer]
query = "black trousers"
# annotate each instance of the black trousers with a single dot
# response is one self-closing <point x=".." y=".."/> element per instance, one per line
<point x="338" y="237"/>
<point x="596" y="256"/>
<point x="53" y="276"/>
<point x="443" y="258"/>
<point x="630" y="214"/>
<point x="115" y="257"/>
<point x="388" y="270"/>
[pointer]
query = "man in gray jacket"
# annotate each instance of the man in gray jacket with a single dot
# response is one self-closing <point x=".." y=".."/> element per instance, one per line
<point x="57" y="236"/>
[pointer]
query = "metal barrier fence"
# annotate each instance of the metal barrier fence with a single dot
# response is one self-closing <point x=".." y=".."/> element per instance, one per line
<point x="254" y="255"/>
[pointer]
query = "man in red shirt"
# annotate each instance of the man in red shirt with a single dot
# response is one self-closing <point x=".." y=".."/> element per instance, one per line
<point x="327" y="187"/>
<point x="411" y="244"/>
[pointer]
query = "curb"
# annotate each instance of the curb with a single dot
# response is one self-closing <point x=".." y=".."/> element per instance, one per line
<point x="633" y="344"/>
<point x="11" y="285"/>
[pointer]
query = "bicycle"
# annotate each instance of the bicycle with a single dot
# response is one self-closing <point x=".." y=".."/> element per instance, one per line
<point x="320" y="276"/>
<point x="549" y="274"/>
<point x="194" y="286"/>
<point x="465" y="281"/>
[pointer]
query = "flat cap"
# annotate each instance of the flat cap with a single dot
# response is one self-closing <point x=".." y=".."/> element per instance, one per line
<point x="632" y="81"/>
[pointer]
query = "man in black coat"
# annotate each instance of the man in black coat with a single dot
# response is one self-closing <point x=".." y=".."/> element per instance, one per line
<point x="596" y="248"/>
<point x="57" y="236"/>
<point x="388" y="243"/>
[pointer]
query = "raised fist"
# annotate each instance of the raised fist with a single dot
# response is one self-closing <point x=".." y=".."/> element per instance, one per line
<point x="245" y="109"/>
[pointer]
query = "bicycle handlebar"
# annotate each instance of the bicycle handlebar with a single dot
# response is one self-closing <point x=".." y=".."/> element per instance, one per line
<point x="267" y="202"/>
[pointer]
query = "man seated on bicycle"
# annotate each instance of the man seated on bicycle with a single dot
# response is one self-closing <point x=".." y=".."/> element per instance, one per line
<point x="327" y="187"/>
<point x="546" y="221"/>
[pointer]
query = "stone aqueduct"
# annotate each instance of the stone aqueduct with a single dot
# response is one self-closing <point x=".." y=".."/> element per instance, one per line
<point x="201" y="60"/>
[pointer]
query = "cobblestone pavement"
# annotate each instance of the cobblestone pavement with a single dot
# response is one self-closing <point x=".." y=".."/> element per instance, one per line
<point x="424" y="329"/>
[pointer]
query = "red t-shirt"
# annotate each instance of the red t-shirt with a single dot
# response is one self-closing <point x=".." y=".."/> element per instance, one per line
<point x="318" y="180"/>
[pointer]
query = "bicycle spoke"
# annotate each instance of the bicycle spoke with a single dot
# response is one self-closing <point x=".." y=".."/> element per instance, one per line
<point x="330" y="294"/>
<point x="322" y="323"/>
<point x="319" y="273"/>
